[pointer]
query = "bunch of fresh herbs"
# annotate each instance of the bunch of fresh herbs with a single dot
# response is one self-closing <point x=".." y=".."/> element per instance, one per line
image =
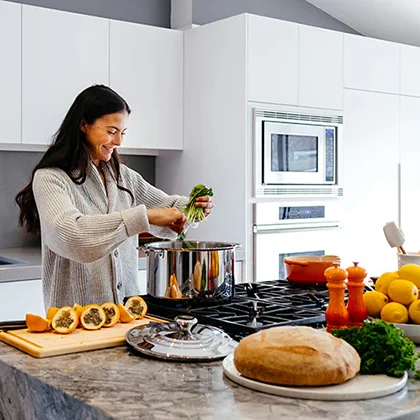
<point x="382" y="348"/>
<point x="195" y="214"/>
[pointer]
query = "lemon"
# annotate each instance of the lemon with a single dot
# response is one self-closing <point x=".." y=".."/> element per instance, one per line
<point x="394" y="312"/>
<point x="403" y="291"/>
<point x="381" y="285"/>
<point x="374" y="302"/>
<point x="414" y="311"/>
<point x="410" y="272"/>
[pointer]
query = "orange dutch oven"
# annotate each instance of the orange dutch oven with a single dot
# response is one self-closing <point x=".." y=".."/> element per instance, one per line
<point x="309" y="269"/>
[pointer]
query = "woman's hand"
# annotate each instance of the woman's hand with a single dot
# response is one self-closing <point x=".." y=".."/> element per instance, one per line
<point x="205" y="203"/>
<point x="171" y="218"/>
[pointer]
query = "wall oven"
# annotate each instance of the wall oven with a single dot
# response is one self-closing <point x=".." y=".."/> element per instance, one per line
<point x="284" y="229"/>
<point x="296" y="149"/>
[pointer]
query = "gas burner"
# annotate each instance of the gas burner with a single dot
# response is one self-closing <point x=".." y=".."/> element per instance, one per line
<point x="255" y="314"/>
<point x="284" y="293"/>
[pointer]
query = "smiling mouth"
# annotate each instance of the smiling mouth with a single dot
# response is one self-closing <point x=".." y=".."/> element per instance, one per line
<point x="110" y="149"/>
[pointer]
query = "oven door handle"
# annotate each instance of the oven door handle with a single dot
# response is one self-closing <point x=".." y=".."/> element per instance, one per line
<point x="269" y="229"/>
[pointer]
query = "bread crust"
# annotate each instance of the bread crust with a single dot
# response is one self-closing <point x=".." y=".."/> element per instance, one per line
<point x="301" y="356"/>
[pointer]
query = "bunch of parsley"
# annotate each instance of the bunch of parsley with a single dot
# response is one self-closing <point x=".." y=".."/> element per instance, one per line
<point x="382" y="348"/>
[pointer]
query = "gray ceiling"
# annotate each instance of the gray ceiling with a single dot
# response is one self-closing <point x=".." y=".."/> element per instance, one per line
<point x="392" y="20"/>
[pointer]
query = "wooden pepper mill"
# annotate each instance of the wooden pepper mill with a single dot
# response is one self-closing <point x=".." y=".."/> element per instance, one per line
<point x="355" y="305"/>
<point x="336" y="314"/>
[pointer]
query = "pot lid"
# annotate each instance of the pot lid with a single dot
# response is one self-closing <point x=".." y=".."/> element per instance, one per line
<point x="181" y="340"/>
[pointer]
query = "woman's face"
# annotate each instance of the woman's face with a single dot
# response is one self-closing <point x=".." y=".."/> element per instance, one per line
<point x="105" y="134"/>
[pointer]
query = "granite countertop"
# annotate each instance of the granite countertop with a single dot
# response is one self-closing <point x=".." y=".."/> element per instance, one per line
<point x="118" y="383"/>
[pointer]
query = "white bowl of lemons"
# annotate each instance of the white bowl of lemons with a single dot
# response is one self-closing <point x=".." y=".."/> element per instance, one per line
<point x="396" y="299"/>
<point x="411" y="331"/>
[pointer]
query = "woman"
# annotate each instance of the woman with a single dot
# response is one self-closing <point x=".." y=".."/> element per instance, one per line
<point x="89" y="208"/>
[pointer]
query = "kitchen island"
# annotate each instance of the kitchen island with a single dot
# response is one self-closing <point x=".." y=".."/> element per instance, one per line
<point x="118" y="383"/>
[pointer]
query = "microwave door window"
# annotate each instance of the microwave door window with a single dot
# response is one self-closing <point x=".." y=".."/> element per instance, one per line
<point x="291" y="153"/>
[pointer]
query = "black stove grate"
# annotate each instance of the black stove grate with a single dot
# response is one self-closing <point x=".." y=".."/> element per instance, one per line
<point x="256" y="306"/>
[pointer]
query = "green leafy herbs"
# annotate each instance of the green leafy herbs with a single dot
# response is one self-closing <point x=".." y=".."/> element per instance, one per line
<point x="382" y="348"/>
<point x="196" y="214"/>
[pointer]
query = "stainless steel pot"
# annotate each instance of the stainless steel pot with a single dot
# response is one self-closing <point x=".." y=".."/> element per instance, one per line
<point x="191" y="270"/>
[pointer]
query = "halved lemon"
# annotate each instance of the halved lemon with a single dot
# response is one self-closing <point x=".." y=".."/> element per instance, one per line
<point x="93" y="317"/>
<point x="37" y="323"/>
<point x="65" y="320"/>
<point x="125" y="314"/>
<point x="137" y="306"/>
<point x="112" y="313"/>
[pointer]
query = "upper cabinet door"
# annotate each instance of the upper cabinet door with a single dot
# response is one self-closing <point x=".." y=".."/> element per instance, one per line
<point x="10" y="72"/>
<point x="146" y="68"/>
<point x="320" y="68"/>
<point x="410" y="171"/>
<point x="410" y="70"/>
<point x="63" y="53"/>
<point x="272" y="60"/>
<point x="371" y="153"/>
<point x="371" y="64"/>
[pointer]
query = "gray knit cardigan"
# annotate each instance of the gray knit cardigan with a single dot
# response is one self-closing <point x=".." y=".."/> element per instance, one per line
<point x="89" y="233"/>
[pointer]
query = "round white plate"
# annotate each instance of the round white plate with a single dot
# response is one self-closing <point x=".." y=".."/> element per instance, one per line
<point x="361" y="387"/>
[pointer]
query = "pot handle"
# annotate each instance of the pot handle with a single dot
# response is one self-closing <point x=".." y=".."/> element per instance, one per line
<point x="158" y="254"/>
<point x="301" y="263"/>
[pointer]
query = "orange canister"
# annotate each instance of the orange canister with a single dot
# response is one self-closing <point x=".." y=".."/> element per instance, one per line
<point x="336" y="314"/>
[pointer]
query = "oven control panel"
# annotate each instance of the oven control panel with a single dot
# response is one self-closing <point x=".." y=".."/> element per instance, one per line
<point x="294" y="214"/>
<point x="301" y="212"/>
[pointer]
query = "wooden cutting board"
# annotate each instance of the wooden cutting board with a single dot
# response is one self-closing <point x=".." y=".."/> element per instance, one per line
<point x="49" y="343"/>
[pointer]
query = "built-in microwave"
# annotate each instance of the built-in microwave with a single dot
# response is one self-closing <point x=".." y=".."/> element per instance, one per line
<point x="297" y="149"/>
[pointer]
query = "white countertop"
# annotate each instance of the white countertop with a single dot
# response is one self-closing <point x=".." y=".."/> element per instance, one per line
<point x="28" y="268"/>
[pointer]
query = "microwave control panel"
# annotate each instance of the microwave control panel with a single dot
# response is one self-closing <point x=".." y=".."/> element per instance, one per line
<point x="330" y="155"/>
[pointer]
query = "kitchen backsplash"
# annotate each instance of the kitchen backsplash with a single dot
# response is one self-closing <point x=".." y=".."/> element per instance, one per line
<point x="15" y="171"/>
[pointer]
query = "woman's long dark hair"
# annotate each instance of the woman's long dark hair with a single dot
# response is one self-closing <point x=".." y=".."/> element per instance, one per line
<point x="69" y="150"/>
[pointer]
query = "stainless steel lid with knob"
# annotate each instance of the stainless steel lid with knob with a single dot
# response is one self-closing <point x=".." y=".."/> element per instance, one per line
<point x="181" y="340"/>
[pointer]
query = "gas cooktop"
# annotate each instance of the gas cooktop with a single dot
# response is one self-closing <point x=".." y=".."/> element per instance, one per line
<point x="255" y="306"/>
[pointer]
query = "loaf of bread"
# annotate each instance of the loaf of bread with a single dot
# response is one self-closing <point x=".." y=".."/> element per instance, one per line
<point x="299" y="356"/>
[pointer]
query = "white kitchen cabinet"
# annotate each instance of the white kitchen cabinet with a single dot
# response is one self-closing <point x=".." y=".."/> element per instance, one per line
<point x="18" y="298"/>
<point x="320" y="68"/>
<point x="410" y="172"/>
<point x="410" y="70"/>
<point x="371" y="155"/>
<point x="146" y="68"/>
<point x="63" y="53"/>
<point x="142" y="281"/>
<point x="10" y="72"/>
<point x="272" y="60"/>
<point x="371" y="64"/>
